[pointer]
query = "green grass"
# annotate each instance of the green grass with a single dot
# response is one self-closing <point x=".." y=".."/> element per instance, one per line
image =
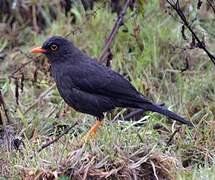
<point x="119" y="148"/>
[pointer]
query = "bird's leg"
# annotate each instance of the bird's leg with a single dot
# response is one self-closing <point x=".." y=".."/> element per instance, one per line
<point x="92" y="131"/>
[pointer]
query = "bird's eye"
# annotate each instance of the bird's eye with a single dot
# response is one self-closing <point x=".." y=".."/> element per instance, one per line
<point x="53" y="47"/>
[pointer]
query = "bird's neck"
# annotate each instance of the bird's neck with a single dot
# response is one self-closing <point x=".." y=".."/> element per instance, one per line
<point x="57" y="70"/>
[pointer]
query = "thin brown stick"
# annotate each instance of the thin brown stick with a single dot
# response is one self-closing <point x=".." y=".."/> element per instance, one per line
<point x="133" y="114"/>
<point x="172" y="136"/>
<point x="113" y="32"/>
<point x="212" y="5"/>
<point x="40" y="98"/>
<point x="57" y="138"/>
<point x="201" y="45"/>
<point x="12" y="75"/>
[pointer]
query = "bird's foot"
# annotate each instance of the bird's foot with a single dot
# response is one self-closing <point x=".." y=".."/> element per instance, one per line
<point x="91" y="133"/>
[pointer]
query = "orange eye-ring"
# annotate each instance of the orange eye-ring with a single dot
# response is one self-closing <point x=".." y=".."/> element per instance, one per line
<point x="54" y="47"/>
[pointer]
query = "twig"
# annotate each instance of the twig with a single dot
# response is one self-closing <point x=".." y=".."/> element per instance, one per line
<point x="172" y="136"/>
<point x="211" y="5"/>
<point x="39" y="98"/>
<point x="2" y="102"/>
<point x="133" y="114"/>
<point x="200" y="44"/>
<point x="12" y="75"/>
<point x="57" y="138"/>
<point x="113" y="32"/>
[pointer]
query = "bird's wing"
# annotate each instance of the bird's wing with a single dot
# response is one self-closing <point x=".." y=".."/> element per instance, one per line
<point x="95" y="78"/>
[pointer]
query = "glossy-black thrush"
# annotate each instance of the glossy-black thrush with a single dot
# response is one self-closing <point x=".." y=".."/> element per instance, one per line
<point x="90" y="87"/>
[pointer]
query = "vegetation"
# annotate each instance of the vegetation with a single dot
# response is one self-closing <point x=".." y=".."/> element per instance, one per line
<point x="149" y="49"/>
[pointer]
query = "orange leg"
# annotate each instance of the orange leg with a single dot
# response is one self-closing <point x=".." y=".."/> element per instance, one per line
<point x="91" y="132"/>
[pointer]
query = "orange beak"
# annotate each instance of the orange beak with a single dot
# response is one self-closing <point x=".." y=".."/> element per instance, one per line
<point x="38" y="50"/>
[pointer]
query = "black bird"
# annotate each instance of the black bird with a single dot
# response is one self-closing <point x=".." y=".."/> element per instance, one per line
<point x="90" y="87"/>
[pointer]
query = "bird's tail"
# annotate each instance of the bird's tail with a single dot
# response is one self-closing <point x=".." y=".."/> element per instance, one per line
<point x="166" y="112"/>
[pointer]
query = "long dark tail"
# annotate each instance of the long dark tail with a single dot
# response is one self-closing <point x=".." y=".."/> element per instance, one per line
<point x="166" y="112"/>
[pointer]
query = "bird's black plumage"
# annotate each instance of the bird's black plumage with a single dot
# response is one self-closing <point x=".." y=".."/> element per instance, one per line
<point x="90" y="87"/>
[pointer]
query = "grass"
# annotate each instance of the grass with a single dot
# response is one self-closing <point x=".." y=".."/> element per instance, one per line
<point x="145" y="51"/>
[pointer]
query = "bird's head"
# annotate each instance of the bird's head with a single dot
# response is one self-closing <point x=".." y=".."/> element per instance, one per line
<point x="56" y="48"/>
